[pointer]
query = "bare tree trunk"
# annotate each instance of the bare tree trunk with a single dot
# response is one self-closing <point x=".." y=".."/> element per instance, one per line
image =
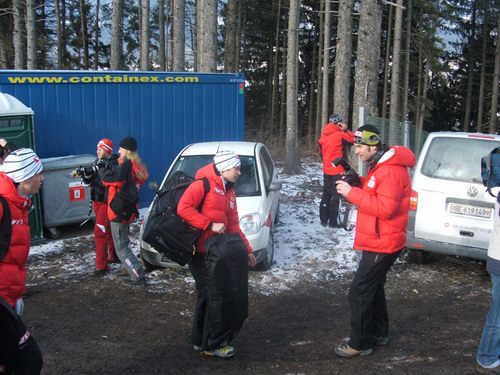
<point x="145" y="35"/>
<point x="230" y="42"/>
<point x="496" y="77"/>
<point x="97" y="34"/>
<point x="419" y="85"/>
<point x="343" y="60"/>
<point x="366" y="80"/>
<point x="18" y="34"/>
<point x="319" y="90"/>
<point x="480" y="104"/>
<point x="162" y="42"/>
<point x="386" y="64"/>
<point x="282" y="128"/>
<point x="31" y="33"/>
<point x="406" y="74"/>
<point x="394" y="113"/>
<point x="206" y="31"/>
<point x="116" y="60"/>
<point x="85" y="34"/>
<point x="423" y="103"/>
<point x="292" y="164"/>
<point x="311" y="128"/>
<point x="3" y="47"/>
<point x="241" y="5"/>
<point x="275" y="85"/>
<point x="326" y="64"/>
<point x="470" y="73"/>
<point x="179" y="38"/>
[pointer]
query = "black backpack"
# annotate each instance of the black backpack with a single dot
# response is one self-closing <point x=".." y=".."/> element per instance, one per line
<point x="490" y="170"/>
<point x="165" y="230"/>
<point x="6" y="229"/>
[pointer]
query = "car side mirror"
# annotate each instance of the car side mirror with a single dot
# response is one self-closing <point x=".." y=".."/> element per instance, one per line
<point x="275" y="185"/>
<point x="153" y="185"/>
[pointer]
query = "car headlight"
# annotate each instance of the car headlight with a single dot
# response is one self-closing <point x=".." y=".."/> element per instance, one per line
<point x="250" y="224"/>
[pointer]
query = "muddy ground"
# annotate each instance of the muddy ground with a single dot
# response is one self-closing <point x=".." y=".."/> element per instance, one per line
<point x="88" y="325"/>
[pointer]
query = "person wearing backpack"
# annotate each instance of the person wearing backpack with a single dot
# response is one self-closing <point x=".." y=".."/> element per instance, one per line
<point x="20" y="177"/>
<point x="124" y="180"/>
<point x="219" y="215"/>
<point x="104" y="248"/>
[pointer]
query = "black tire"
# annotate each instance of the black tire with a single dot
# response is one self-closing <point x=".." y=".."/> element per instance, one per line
<point x="148" y="266"/>
<point x="268" y="260"/>
<point x="54" y="233"/>
<point x="277" y="217"/>
<point x="418" y="256"/>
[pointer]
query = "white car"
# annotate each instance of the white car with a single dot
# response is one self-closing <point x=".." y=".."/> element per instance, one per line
<point x="257" y="195"/>
<point x="450" y="211"/>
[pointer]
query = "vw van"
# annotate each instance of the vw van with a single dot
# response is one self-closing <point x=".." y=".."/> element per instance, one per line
<point x="451" y="212"/>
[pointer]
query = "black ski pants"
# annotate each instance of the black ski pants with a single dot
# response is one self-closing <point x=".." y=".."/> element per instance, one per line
<point x="367" y="299"/>
<point x="329" y="206"/>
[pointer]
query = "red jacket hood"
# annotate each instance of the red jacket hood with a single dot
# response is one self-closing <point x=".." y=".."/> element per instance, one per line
<point x="330" y="128"/>
<point x="398" y="155"/>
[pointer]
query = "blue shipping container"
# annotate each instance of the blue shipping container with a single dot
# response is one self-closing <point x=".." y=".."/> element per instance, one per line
<point x="163" y="111"/>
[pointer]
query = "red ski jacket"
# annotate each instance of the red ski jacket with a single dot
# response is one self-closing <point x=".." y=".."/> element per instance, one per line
<point x="331" y="144"/>
<point x="219" y="206"/>
<point x="383" y="202"/>
<point x="13" y="265"/>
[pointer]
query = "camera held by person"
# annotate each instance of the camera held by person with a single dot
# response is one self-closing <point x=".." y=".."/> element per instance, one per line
<point x="349" y="176"/>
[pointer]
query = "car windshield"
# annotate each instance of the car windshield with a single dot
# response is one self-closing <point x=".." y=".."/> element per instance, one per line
<point x="457" y="159"/>
<point x="247" y="184"/>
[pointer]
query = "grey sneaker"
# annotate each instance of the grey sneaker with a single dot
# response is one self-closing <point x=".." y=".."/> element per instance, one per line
<point x="347" y="352"/>
<point x="223" y="352"/>
<point x="380" y="340"/>
<point x="197" y="348"/>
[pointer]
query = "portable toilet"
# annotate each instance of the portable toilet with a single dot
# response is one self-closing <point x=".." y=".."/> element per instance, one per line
<point x="16" y="126"/>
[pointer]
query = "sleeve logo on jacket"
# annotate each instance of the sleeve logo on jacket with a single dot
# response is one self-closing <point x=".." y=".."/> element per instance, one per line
<point x="372" y="182"/>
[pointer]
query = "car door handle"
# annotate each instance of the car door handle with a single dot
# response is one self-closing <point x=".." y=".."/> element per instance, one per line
<point x="466" y="233"/>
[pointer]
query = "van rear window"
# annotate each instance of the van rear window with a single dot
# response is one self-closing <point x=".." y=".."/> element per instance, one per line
<point x="457" y="159"/>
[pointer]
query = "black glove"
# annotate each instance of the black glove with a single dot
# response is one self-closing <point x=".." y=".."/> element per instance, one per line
<point x="351" y="178"/>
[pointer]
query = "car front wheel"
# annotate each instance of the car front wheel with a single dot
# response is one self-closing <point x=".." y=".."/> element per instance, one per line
<point x="267" y="262"/>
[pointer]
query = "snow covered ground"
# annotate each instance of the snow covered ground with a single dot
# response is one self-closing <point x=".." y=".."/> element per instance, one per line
<point x="304" y="250"/>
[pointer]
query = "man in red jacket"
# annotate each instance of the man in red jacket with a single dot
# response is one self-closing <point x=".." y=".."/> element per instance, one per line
<point x="218" y="215"/>
<point x="383" y="200"/>
<point x="331" y="143"/>
<point x="20" y="177"/>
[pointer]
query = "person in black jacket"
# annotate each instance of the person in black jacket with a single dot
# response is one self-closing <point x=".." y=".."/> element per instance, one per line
<point x="104" y="247"/>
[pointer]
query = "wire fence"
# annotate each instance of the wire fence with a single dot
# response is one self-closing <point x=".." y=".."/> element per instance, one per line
<point x="399" y="133"/>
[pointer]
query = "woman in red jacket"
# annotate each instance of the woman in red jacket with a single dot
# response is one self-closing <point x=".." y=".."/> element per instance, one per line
<point x="218" y="215"/>
<point x="383" y="200"/>
<point x="20" y="177"/>
<point x="131" y="171"/>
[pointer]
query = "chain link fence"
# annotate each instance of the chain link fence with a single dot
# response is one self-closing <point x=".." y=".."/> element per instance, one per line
<point x="399" y="133"/>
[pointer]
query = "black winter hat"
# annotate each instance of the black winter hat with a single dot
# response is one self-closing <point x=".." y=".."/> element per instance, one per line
<point x="129" y="143"/>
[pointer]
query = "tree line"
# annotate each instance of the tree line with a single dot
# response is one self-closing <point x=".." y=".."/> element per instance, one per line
<point x="432" y="62"/>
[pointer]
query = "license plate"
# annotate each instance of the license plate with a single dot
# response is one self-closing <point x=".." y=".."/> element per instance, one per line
<point x="467" y="210"/>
